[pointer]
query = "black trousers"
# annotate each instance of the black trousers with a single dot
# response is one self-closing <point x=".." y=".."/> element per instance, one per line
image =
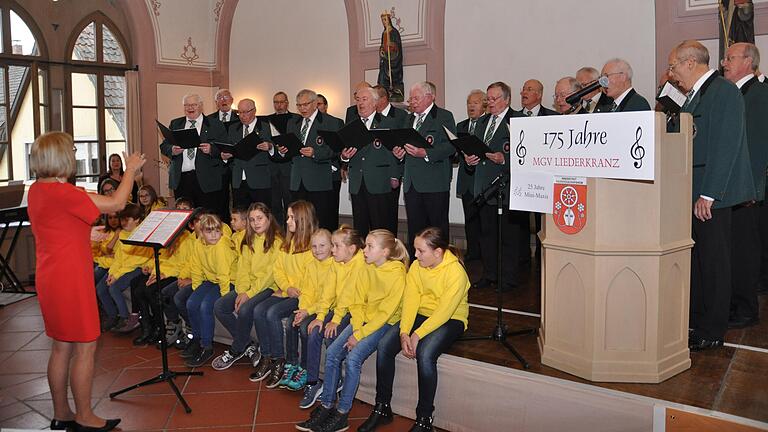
<point x="745" y="259"/>
<point x="336" y="192"/>
<point x="280" y="175"/>
<point x="244" y="196"/>
<point x="763" y="224"/>
<point x="514" y="225"/>
<point x="471" y="224"/>
<point x="373" y="211"/>
<point x="427" y="352"/>
<point x="711" y="275"/>
<point x="426" y="209"/>
<point x="215" y="201"/>
<point x="145" y="298"/>
<point x="323" y="202"/>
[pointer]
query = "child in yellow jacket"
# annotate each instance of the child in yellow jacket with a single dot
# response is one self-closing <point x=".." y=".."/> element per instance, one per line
<point x="374" y="309"/>
<point x="331" y="314"/>
<point x="435" y="314"/>
<point x="104" y="250"/>
<point x="255" y="282"/>
<point x="291" y="263"/>
<point x="210" y="268"/>
<point x="126" y="266"/>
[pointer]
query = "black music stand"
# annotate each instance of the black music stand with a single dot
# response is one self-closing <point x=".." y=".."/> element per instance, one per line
<point x="158" y="231"/>
<point x="12" y="212"/>
<point x="500" y="332"/>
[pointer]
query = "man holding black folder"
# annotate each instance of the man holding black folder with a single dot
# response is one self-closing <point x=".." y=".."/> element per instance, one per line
<point x="311" y="172"/>
<point x="373" y="172"/>
<point x="477" y="104"/>
<point x="427" y="173"/>
<point x="280" y="168"/>
<point x="197" y="173"/>
<point x="494" y="131"/>
<point x="250" y="179"/>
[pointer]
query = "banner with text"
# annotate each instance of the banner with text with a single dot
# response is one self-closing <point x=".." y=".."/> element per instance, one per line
<point x="606" y="145"/>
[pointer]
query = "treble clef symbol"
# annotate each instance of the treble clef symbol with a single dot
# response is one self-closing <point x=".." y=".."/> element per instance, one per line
<point x="637" y="151"/>
<point x="520" y="150"/>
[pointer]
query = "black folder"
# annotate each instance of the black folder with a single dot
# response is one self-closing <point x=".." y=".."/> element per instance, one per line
<point x="279" y="121"/>
<point x="392" y="138"/>
<point x="354" y="134"/>
<point x="245" y="149"/>
<point x="671" y="98"/>
<point x="184" y="138"/>
<point x="468" y="144"/>
<point x="289" y="141"/>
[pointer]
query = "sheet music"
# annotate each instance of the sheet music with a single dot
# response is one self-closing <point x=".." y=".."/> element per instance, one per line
<point x="160" y="226"/>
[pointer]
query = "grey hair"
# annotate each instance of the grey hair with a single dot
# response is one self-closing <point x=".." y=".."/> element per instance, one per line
<point x="692" y="49"/>
<point x="427" y="87"/>
<point x="191" y="96"/>
<point x="573" y="82"/>
<point x="221" y="92"/>
<point x="593" y="73"/>
<point x="751" y="51"/>
<point x="309" y="93"/>
<point x="374" y="94"/>
<point x="623" y="67"/>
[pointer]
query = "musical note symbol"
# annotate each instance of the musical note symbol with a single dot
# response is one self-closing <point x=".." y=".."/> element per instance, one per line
<point x="637" y="151"/>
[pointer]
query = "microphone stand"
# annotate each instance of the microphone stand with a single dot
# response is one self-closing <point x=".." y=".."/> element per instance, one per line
<point x="500" y="332"/>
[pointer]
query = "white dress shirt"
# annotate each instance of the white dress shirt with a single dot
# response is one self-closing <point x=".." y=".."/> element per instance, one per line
<point x="621" y="97"/>
<point x="534" y="111"/>
<point x="188" y="164"/>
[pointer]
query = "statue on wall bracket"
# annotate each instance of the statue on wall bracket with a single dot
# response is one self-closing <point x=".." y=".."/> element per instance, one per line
<point x="391" y="59"/>
<point x="736" y="23"/>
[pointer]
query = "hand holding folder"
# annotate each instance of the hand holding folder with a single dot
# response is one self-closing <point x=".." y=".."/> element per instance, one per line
<point x="184" y="138"/>
<point x="245" y="149"/>
<point x="470" y="145"/>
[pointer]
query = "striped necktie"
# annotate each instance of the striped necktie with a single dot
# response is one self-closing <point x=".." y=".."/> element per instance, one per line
<point x="245" y="130"/>
<point x="688" y="99"/>
<point x="304" y="130"/>
<point x="472" y="124"/>
<point x="420" y="121"/>
<point x="491" y="129"/>
<point x="191" y="151"/>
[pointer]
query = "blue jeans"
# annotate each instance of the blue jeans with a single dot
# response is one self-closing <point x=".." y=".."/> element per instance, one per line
<point x="427" y="352"/>
<point x="238" y="324"/>
<point x="270" y="319"/>
<point x="335" y="355"/>
<point x="180" y="300"/>
<point x="111" y="296"/>
<point x="99" y="273"/>
<point x="314" y="345"/>
<point x="200" y="310"/>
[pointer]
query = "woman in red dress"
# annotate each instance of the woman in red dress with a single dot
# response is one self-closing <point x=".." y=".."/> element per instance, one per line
<point x="61" y="216"/>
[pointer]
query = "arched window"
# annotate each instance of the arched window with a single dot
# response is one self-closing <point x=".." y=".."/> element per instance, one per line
<point x="97" y="93"/>
<point x="23" y="90"/>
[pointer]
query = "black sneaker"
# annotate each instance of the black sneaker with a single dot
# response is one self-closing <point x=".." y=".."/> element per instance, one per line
<point x="192" y="350"/>
<point x="336" y="422"/>
<point x="275" y="373"/>
<point x="205" y="355"/>
<point x="265" y="366"/>
<point x="381" y="415"/>
<point x="423" y="424"/>
<point x="316" y="418"/>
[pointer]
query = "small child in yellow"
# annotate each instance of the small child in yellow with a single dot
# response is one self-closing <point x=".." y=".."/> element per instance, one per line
<point x="210" y="269"/>
<point x="104" y="250"/>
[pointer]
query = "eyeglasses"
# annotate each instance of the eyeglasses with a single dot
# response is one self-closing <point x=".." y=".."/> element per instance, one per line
<point x="221" y="98"/>
<point x="730" y="58"/>
<point x="302" y="105"/>
<point x="191" y="105"/>
<point x="673" y="65"/>
<point x="608" y="75"/>
<point x="279" y="101"/>
<point x="557" y="96"/>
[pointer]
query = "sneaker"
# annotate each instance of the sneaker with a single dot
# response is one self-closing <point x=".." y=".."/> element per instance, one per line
<point x="316" y="418"/>
<point x="120" y="323"/>
<point x="298" y="380"/>
<point x="262" y="371"/>
<point x="203" y="357"/>
<point x="131" y="324"/>
<point x="422" y="424"/>
<point x="311" y="395"/>
<point x="183" y="341"/>
<point x="381" y="415"/>
<point x="250" y="351"/>
<point x="288" y="373"/>
<point x="336" y="422"/>
<point x="192" y="350"/>
<point x="253" y="354"/>
<point x="275" y="373"/>
<point x="226" y="360"/>
<point x="173" y="332"/>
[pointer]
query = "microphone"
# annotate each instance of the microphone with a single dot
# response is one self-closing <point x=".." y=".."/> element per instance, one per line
<point x="575" y="97"/>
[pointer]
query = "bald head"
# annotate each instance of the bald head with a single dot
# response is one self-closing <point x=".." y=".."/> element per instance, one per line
<point x="530" y="94"/>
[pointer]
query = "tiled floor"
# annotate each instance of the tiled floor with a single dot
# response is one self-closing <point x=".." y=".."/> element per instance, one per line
<point x="221" y="401"/>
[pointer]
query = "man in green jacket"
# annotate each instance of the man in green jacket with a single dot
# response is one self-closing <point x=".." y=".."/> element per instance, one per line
<point x="722" y="179"/>
<point x="739" y="65"/>
<point x="620" y="89"/>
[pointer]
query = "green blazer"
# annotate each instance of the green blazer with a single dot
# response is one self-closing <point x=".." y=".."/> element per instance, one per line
<point x="373" y="163"/>
<point x="314" y="172"/>
<point x="756" y="106"/>
<point x="721" y="166"/>
<point x="433" y="173"/>
<point x="487" y="170"/>
<point x="633" y="102"/>
<point x="257" y="170"/>
<point x="208" y="167"/>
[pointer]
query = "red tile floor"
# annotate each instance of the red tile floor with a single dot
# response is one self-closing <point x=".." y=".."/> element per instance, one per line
<point x="221" y="401"/>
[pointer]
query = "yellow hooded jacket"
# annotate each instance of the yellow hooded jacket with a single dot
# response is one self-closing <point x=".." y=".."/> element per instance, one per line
<point x="378" y="298"/>
<point x="256" y="270"/>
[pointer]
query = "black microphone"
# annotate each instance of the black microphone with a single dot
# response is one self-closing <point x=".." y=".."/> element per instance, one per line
<point x="575" y="97"/>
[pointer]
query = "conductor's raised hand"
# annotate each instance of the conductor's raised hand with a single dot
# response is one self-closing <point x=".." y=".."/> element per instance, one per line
<point x="134" y="161"/>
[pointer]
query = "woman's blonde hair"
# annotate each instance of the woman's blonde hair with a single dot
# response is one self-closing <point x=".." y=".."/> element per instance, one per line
<point x="387" y="240"/>
<point x="306" y="223"/>
<point x="53" y="155"/>
<point x="209" y="221"/>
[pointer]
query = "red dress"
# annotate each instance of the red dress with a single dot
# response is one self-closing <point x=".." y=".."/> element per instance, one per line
<point x="61" y="216"/>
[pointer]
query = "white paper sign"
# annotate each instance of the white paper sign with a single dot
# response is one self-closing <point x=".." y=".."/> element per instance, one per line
<point x="605" y="145"/>
<point x="531" y="191"/>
